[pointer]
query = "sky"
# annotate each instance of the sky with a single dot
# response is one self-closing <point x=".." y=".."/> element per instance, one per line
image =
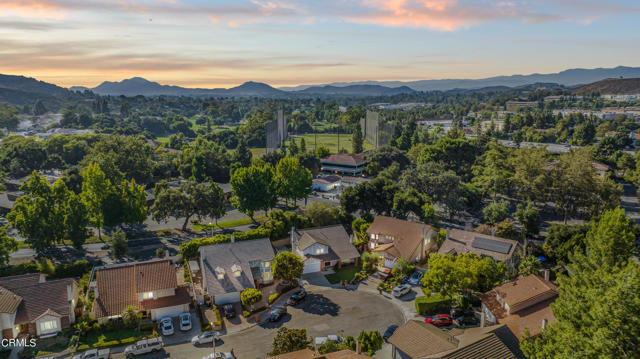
<point x="214" y="43"/>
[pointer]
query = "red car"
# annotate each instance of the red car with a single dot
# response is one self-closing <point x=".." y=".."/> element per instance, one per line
<point x="439" y="320"/>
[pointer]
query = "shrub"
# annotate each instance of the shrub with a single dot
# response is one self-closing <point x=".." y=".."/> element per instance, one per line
<point x="250" y="296"/>
<point x="433" y="304"/>
<point x="187" y="273"/>
<point x="147" y="327"/>
<point x="74" y="341"/>
<point x="246" y="313"/>
<point x="370" y="341"/>
<point x="273" y="297"/>
<point x="160" y="253"/>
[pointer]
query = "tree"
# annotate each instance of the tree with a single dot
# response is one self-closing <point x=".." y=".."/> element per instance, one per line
<point x="529" y="218"/>
<point x="584" y="134"/>
<point x="358" y="139"/>
<point x="603" y="281"/>
<point x="122" y="157"/>
<point x="323" y="214"/>
<point x="322" y="151"/>
<point x="8" y="245"/>
<point x="562" y="240"/>
<point x="463" y="273"/>
<point x="359" y="228"/>
<point x="529" y="265"/>
<point x="119" y="244"/>
<point x="443" y="187"/>
<point x="293" y="181"/>
<point x="250" y="296"/>
<point x="530" y="175"/>
<point x="495" y="212"/>
<point x="131" y="317"/>
<point x="407" y="202"/>
<point x="493" y="174"/>
<point x="96" y="191"/>
<point x="254" y="189"/>
<point x="287" y="266"/>
<point x="188" y="200"/>
<point x="370" y="341"/>
<point x="289" y="340"/>
<point x="38" y="108"/>
<point x="369" y="261"/>
<point x="242" y="154"/>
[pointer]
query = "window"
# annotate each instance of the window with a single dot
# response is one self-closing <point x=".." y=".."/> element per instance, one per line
<point x="267" y="276"/>
<point x="147" y="295"/>
<point x="320" y="250"/>
<point x="237" y="270"/>
<point x="220" y="275"/>
<point x="49" y="325"/>
<point x="267" y="264"/>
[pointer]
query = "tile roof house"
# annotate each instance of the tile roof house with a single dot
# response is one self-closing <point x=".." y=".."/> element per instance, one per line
<point x="484" y="245"/>
<point x="396" y="238"/>
<point x="150" y="286"/>
<point x="229" y="268"/>
<point x="519" y="304"/>
<point x="310" y="354"/>
<point x="30" y="304"/>
<point x="322" y="248"/>
<point x="416" y="339"/>
<point x="347" y="163"/>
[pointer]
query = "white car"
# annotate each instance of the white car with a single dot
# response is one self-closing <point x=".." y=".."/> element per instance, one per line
<point x="166" y="326"/>
<point x="219" y="355"/>
<point x="143" y="347"/>
<point x="205" y="337"/>
<point x="401" y="290"/>
<point x="185" y="321"/>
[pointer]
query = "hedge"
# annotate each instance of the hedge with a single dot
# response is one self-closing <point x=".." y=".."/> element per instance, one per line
<point x="273" y="297"/>
<point x="433" y="304"/>
<point x="61" y="270"/>
<point x="190" y="249"/>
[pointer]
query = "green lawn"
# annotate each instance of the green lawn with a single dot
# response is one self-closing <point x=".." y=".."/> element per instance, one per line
<point x="330" y="141"/>
<point x="342" y="274"/>
<point x="112" y="338"/>
<point x="198" y="227"/>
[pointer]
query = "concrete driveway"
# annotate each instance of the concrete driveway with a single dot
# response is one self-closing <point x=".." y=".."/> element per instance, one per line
<point x="324" y="311"/>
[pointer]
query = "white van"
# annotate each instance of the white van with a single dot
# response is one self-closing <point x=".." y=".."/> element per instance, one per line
<point x="143" y="347"/>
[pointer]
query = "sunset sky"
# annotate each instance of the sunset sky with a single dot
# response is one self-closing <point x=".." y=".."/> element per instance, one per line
<point x="198" y="43"/>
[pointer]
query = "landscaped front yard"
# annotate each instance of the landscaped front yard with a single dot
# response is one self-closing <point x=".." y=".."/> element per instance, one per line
<point x="112" y="338"/>
<point x="344" y="273"/>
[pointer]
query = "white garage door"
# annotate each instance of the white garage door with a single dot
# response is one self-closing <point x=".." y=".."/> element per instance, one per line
<point x="311" y="265"/>
<point x="227" y="298"/>
<point x="167" y="312"/>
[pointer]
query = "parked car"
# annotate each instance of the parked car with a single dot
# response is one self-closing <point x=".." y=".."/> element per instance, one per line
<point x="401" y="290"/>
<point x="439" y="320"/>
<point x="143" y="347"/>
<point x="333" y="338"/>
<point x="276" y="313"/>
<point x="229" y="311"/>
<point x="166" y="326"/>
<point x="466" y="320"/>
<point x="297" y="297"/>
<point x="205" y="337"/>
<point x="185" y="321"/>
<point x="93" y="354"/>
<point x="220" y="355"/>
<point x="415" y="278"/>
<point x="389" y="332"/>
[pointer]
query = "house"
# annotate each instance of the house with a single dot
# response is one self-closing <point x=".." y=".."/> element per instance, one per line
<point x="229" y="268"/>
<point x="30" y="304"/>
<point x="519" y="304"/>
<point x="499" y="249"/>
<point x="326" y="183"/>
<point x="310" y="354"/>
<point x="396" y="238"/>
<point x="346" y="163"/>
<point x="150" y="286"/>
<point x="323" y="248"/>
<point x="416" y="339"/>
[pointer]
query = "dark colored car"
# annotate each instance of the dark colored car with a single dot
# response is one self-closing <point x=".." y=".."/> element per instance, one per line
<point x="229" y="311"/>
<point x="439" y="320"/>
<point x="277" y="313"/>
<point x="389" y="332"/>
<point x="467" y="320"/>
<point x="297" y="297"/>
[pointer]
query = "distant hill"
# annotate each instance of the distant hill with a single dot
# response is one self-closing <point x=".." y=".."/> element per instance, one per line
<point x="356" y="90"/>
<point x="572" y="77"/>
<point x="28" y="84"/>
<point x="611" y="87"/>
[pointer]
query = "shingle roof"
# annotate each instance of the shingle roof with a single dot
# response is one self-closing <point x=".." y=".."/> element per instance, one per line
<point x="345" y="159"/>
<point x="418" y="339"/>
<point x="118" y="286"/>
<point x="38" y="298"/>
<point x="9" y="301"/>
<point x="460" y="242"/>
<point x="182" y="296"/>
<point x="334" y="237"/>
<point x="226" y="255"/>
<point x="408" y="235"/>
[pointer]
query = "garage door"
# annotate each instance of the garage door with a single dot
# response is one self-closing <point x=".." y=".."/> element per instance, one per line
<point x="311" y="265"/>
<point x="227" y="298"/>
<point x="167" y="312"/>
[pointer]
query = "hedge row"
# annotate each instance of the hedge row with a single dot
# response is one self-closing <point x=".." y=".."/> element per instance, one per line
<point x="189" y="250"/>
<point x="62" y="270"/>
<point x="433" y="304"/>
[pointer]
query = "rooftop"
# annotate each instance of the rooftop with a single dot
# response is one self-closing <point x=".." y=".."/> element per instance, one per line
<point x="407" y="235"/>
<point x="460" y="242"/>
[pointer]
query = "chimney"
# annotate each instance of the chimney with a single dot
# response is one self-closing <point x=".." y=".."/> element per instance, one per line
<point x="546" y="274"/>
<point x="544" y="323"/>
<point x="69" y="292"/>
<point x="293" y="236"/>
<point x="358" y="347"/>
<point x="233" y="238"/>
<point x="351" y="238"/>
<point x="482" y="320"/>
<point x="424" y="233"/>
<point x="493" y="231"/>
<point x="95" y="291"/>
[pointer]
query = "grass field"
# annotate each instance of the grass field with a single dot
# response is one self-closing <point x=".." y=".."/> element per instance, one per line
<point x="328" y="140"/>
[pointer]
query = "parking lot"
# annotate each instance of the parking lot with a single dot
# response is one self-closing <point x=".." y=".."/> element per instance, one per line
<point x="325" y="311"/>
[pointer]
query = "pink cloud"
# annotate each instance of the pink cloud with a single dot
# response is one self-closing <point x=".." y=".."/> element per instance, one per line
<point x="31" y="9"/>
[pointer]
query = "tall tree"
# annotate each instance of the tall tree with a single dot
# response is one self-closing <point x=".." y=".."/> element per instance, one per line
<point x="293" y="180"/>
<point x="242" y="154"/>
<point x="119" y="244"/>
<point x="530" y="175"/>
<point x="254" y="189"/>
<point x="188" y="200"/>
<point x="287" y="266"/>
<point x="289" y="340"/>
<point x="96" y="191"/>
<point x="8" y="245"/>
<point x="493" y="174"/>
<point x="358" y="140"/>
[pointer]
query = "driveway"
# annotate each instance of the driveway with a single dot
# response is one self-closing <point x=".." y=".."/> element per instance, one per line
<point x="324" y="311"/>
